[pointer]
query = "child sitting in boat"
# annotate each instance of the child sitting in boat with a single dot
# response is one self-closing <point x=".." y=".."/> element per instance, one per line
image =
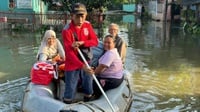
<point x="120" y="44"/>
<point x="113" y="30"/>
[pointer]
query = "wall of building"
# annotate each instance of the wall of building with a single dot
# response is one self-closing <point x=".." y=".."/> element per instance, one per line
<point x="24" y="6"/>
<point x="129" y="7"/>
<point x="190" y="2"/>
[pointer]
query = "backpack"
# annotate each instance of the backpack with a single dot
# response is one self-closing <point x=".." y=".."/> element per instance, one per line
<point x="43" y="73"/>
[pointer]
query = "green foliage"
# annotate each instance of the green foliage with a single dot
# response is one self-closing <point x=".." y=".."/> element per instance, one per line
<point x="96" y="4"/>
<point x="19" y="28"/>
<point x="192" y="28"/>
<point x="189" y="14"/>
<point x="42" y="29"/>
<point x="67" y="4"/>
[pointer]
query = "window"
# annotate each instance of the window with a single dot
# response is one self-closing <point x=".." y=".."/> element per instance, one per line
<point x="11" y="4"/>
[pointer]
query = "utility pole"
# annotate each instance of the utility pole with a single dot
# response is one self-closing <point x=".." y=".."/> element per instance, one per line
<point x="166" y="7"/>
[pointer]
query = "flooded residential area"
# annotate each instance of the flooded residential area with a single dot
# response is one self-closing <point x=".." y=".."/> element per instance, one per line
<point x="162" y="57"/>
<point x="164" y="70"/>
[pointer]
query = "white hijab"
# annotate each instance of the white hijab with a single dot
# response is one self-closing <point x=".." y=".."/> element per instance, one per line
<point x="50" y="50"/>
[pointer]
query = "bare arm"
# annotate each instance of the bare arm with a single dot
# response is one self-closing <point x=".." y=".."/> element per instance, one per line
<point x="123" y="52"/>
<point x="97" y="71"/>
<point x="42" y="57"/>
<point x="100" y="69"/>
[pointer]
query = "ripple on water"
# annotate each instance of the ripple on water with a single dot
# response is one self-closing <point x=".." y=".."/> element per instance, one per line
<point x="11" y="94"/>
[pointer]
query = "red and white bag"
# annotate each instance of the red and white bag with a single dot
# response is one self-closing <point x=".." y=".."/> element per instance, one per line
<point x="43" y="73"/>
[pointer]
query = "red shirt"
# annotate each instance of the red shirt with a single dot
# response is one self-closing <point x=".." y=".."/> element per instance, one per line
<point x="86" y="34"/>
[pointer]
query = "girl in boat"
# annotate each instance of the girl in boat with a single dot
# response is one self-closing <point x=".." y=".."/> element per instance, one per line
<point x="119" y="42"/>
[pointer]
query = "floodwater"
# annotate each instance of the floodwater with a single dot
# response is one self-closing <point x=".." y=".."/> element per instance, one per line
<point x="18" y="51"/>
<point x="163" y="60"/>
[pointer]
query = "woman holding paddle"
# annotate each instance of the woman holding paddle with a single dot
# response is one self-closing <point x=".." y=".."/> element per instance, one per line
<point x="51" y="49"/>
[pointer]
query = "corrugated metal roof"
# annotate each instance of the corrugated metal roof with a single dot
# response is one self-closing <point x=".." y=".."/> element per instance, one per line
<point x="190" y="2"/>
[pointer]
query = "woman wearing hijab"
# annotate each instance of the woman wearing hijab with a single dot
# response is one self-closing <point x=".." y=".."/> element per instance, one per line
<point x="50" y="47"/>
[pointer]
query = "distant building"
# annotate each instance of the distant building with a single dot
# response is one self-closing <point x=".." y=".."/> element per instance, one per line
<point x="129" y="7"/>
<point x="28" y="13"/>
<point x="23" y="6"/>
<point x="192" y="5"/>
<point x="190" y="2"/>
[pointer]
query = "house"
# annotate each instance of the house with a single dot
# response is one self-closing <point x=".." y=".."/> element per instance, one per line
<point x="23" y="6"/>
<point x="157" y="10"/>
<point x="164" y="10"/>
<point x="190" y="2"/>
<point x="129" y="7"/>
<point x="193" y="5"/>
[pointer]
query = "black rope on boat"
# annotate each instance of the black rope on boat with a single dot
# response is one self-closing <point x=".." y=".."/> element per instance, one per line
<point x="25" y="91"/>
<point x="68" y="111"/>
<point x="96" y="106"/>
<point x="82" y="103"/>
<point x="129" y="88"/>
<point x="129" y="97"/>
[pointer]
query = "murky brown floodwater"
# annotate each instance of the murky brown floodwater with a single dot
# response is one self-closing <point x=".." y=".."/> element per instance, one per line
<point x="165" y="65"/>
<point x="167" y="69"/>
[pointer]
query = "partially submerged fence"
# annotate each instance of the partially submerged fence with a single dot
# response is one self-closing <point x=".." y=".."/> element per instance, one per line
<point x="11" y="20"/>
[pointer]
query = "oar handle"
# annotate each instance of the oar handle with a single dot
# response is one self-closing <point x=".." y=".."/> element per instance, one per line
<point x="95" y="79"/>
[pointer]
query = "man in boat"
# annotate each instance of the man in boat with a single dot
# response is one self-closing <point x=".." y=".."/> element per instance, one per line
<point x="51" y="49"/>
<point x="78" y="33"/>
<point x="119" y="42"/>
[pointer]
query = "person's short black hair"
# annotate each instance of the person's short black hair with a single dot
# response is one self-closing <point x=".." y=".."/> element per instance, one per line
<point x="108" y="36"/>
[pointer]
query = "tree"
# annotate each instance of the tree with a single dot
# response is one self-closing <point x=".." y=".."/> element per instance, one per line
<point x="96" y="4"/>
<point x="67" y="4"/>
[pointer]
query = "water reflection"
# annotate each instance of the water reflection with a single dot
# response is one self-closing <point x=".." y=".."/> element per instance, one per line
<point x="128" y="18"/>
<point x="167" y="78"/>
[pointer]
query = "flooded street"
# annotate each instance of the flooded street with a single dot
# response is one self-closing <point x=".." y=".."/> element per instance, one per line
<point x="18" y="52"/>
<point x="163" y="60"/>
